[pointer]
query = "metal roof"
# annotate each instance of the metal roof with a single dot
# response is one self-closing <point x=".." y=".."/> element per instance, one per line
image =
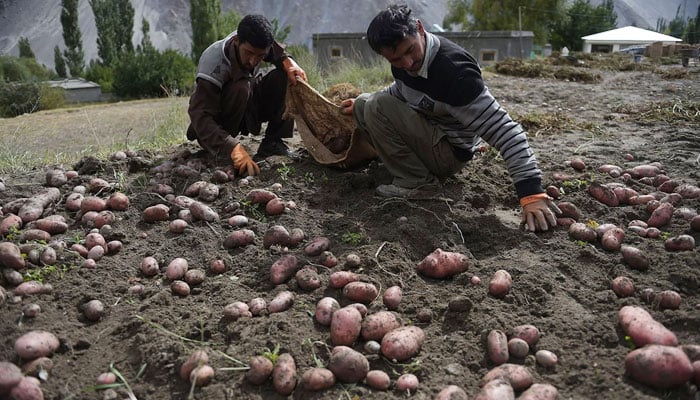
<point x="70" y="84"/>
<point x="629" y="35"/>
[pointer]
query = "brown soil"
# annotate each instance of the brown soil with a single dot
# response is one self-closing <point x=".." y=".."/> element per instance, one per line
<point x="561" y="286"/>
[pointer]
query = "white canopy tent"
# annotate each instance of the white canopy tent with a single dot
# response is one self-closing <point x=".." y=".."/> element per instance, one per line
<point x="617" y="39"/>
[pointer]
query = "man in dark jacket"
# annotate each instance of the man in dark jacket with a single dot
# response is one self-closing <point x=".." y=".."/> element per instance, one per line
<point x="230" y="97"/>
<point x="427" y="124"/>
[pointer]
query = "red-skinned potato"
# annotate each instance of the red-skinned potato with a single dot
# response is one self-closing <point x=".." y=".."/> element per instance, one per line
<point x="348" y="365"/>
<point x="202" y="375"/>
<point x="407" y="383"/>
<point x="10" y="375"/>
<point x="180" y="288"/>
<point x="158" y="212"/>
<point x="239" y="238"/>
<point x="402" y="343"/>
<point x="378" y="380"/>
<point x="260" y="370"/>
<point x="546" y="358"/>
<point x="668" y="299"/>
<point x="392" y="297"/>
<point x="540" y="391"/>
<point x="643" y="329"/>
<point x="9" y="223"/>
<point x="338" y="279"/>
<point x="497" y="347"/>
<point x="177" y="226"/>
<point x="53" y="224"/>
<point x="442" y="264"/>
<point x="27" y="389"/>
<point x="376" y="325"/>
<point x="603" y="194"/>
<point x="197" y="358"/>
<point x="452" y="392"/>
<point x="281" y="302"/>
<point x="307" y="278"/>
<point x="93" y="203"/>
<point x="518" y="376"/>
<point x="659" y="366"/>
<point x="687" y="191"/>
<point x="33" y="207"/>
<point x="328" y="259"/>
<point x="275" y="206"/>
<point x="623" y="286"/>
<point x="118" y="201"/>
<point x="236" y="310"/>
<point x="497" y="389"/>
<point x="569" y="210"/>
<point x="202" y="212"/>
<point x="257" y="306"/>
<point x="10" y="256"/>
<point x="661" y="216"/>
<point x="149" y="266"/>
<point x="500" y="284"/>
<point x="612" y="239"/>
<point x="345" y="326"/>
<point x="35" y="344"/>
<point x="518" y="348"/>
<point x="176" y="269"/>
<point x="317" y="246"/>
<point x="284" y="374"/>
<point x="283" y="269"/>
<point x="645" y="170"/>
<point x="680" y="243"/>
<point x="260" y="196"/>
<point x="635" y="258"/>
<point x="529" y="333"/>
<point x="581" y="231"/>
<point x="316" y="379"/>
<point x="32" y="287"/>
<point x="276" y="235"/>
<point x="325" y="309"/>
<point x="362" y="292"/>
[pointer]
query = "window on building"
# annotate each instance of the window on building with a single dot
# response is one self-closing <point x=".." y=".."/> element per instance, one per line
<point x="487" y="56"/>
<point x="336" y="52"/>
<point x="601" y="48"/>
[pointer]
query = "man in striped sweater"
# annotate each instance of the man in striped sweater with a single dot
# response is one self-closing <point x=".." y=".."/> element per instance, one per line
<point x="428" y="122"/>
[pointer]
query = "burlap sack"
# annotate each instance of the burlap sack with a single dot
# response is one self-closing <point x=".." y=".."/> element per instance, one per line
<point x="330" y="137"/>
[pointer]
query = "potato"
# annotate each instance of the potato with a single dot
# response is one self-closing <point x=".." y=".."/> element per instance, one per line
<point x="202" y="212"/>
<point x="577" y="163"/>
<point x="307" y="278"/>
<point x="315" y="379"/>
<point x="668" y="299"/>
<point x="93" y="310"/>
<point x="348" y="365"/>
<point x="106" y="378"/>
<point x="407" y="383"/>
<point x="35" y="344"/>
<point x="10" y="256"/>
<point x="569" y="210"/>
<point x="645" y="170"/>
<point x="195" y="277"/>
<point x="624" y="194"/>
<point x="209" y="192"/>
<point x="10" y="223"/>
<point x="276" y="235"/>
<point x="236" y="310"/>
<point x="497" y="389"/>
<point x="680" y="243"/>
<point x="687" y="191"/>
<point x="581" y="231"/>
<point x="403" y="343"/>
<point x="518" y="348"/>
<point x="56" y="177"/>
<point x="193" y="189"/>
<point x="392" y="297"/>
<point x="661" y="216"/>
<point x="34" y="235"/>
<point x="27" y="389"/>
<point x="452" y="392"/>
<point x="97" y="185"/>
<point x="176" y="269"/>
<point x="460" y="304"/>
<point x="32" y="287"/>
<point x="180" y="288"/>
<point x="194" y="360"/>
<point x="32" y="209"/>
<point x="260" y="370"/>
<point x="53" y="224"/>
<point x="281" y="302"/>
<point x="158" y="212"/>
<point x="540" y="391"/>
<point x="202" y="375"/>
<point x="317" y="246"/>
<point x="345" y="326"/>
<point x="338" y="279"/>
<point x="217" y="266"/>
<point x="378" y="380"/>
<point x="10" y="375"/>
<point x="92" y="203"/>
<point x="623" y="286"/>
<point x="612" y="239"/>
<point x="177" y="226"/>
<point x="529" y="333"/>
<point x="118" y="201"/>
<point x="442" y="264"/>
<point x="603" y="194"/>
<point x="240" y="238"/>
<point x="352" y="260"/>
<point x="275" y="206"/>
<point x="325" y="309"/>
<point x="696" y="373"/>
<point x="643" y="329"/>
<point x="497" y="347"/>
<point x="283" y="269"/>
<point x="500" y="284"/>
<point x="260" y="196"/>
<point x="328" y="259"/>
<point x="517" y="376"/>
<point x="284" y="374"/>
<point x="635" y="258"/>
<point x="257" y="306"/>
<point x="546" y="358"/>
<point x="362" y="292"/>
<point x="659" y="366"/>
<point x="296" y="236"/>
<point x="375" y="326"/>
<point x="149" y="266"/>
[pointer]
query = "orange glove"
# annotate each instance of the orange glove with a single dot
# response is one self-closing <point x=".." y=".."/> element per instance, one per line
<point x="539" y="212"/>
<point x="242" y="161"/>
<point x="293" y="70"/>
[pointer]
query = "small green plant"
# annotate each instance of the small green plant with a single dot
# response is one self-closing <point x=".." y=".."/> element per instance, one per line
<point x="575" y="184"/>
<point x="309" y="178"/>
<point x="12" y="234"/>
<point x="254" y="211"/>
<point x="352" y="238"/>
<point x="581" y="243"/>
<point x="285" y="171"/>
<point x="629" y="342"/>
<point x="273" y="354"/>
<point x="398" y="369"/>
<point x="592" y="224"/>
<point x="665" y="235"/>
<point x="122" y="381"/>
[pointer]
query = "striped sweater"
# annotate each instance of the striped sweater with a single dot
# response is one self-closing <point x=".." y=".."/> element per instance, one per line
<point x="450" y="92"/>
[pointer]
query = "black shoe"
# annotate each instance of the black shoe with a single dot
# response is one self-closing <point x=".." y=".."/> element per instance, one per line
<point x="273" y="148"/>
<point x="191" y="135"/>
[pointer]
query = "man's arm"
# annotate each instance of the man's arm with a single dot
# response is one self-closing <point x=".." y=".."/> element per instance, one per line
<point x="204" y="105"/>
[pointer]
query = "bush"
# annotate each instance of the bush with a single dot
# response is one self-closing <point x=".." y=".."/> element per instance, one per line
<point x="51" y="97"/>
<point x="100" y="74"/>
<point x="150" y="73"/>
<point x="17" y="98"/>
<point x="12" y="70"/>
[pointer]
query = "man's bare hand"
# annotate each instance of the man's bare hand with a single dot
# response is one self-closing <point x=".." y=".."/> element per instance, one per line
<point x="293" y="71"/>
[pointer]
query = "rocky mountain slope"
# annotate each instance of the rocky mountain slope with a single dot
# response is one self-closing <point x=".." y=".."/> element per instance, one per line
<point x="39" y="20"/>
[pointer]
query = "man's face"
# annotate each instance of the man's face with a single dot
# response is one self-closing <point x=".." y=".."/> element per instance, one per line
<point x="409" y="53"/>
<point x="248" y="55"/>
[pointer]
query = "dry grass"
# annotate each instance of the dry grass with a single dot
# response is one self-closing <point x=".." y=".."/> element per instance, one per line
<point x="64" y="136"/>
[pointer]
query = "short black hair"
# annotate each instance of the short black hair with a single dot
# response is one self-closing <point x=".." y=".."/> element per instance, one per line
<point x="256" y="30"/>
<point x="390" y="27"/>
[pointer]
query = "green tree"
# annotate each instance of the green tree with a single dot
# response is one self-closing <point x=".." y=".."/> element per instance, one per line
<point x="72" y="37"/>
<point x="228" y="22"/>
<point x="25" y="49"/>
<point x="457" y="14"/>
<point x="146" y="43"/>
<point x="150" y="73"/>
<point x="114" y="20"/>
<point x="204" y="17"/>
<point x="60" y="63"/>
<point x="280" y="34"/>
<point x="582" y="19"/>
<point x="694" y="29"/>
